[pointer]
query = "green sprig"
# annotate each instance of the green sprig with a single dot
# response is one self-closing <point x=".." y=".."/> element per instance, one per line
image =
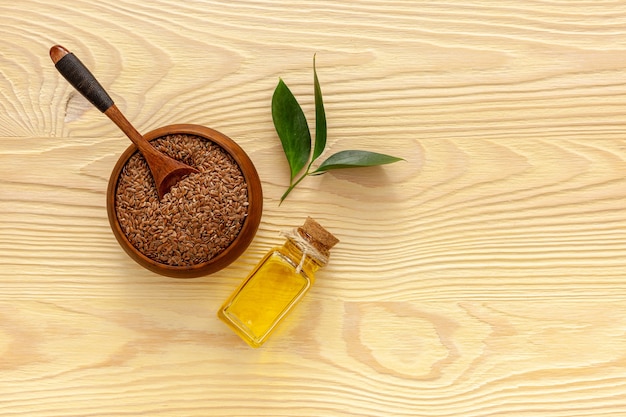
<point x="295" y="137"/>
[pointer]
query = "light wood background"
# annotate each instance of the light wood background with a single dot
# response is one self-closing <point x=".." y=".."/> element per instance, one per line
<point x="484" y="276"/>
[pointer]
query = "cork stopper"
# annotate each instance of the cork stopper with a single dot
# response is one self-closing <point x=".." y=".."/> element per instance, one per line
<point x="319" y="237"/>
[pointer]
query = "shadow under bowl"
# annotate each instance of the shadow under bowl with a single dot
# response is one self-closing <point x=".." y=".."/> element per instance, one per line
<point x="250" y="223"/>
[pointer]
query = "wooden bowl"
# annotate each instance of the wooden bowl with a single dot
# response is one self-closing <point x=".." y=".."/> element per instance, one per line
<point x="247" y="231"/>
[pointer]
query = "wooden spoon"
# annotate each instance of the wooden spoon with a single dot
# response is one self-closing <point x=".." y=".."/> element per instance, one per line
<point x="166" y="171"/>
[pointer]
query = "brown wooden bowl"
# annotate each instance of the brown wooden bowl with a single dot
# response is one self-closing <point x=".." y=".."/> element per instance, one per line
<point x="248" y="229"/>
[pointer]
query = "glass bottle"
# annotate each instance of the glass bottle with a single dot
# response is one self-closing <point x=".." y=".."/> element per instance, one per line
<point x="278" y="283"/>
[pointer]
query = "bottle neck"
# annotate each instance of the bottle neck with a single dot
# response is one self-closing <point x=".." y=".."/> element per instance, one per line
<point x="304" y="255"/>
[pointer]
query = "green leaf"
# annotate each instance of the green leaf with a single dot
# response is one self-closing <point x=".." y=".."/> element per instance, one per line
<point x="320" y="117"/>
<point x="354" y="159"/>
<point x="292" y="128"/>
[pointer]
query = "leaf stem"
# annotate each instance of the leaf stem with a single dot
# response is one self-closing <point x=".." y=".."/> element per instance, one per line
<point x="293" y="185"/>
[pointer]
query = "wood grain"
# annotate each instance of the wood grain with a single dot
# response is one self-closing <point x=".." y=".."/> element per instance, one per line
<point x="484" y="276"/>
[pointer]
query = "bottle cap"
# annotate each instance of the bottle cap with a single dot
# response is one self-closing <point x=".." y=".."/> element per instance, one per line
<point x="319" y="237"/>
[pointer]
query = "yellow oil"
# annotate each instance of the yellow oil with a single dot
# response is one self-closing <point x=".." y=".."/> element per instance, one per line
<point x="271" y="290"/>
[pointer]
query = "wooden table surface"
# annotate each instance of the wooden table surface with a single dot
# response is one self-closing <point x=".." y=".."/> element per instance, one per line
<point x="483" y="276"/>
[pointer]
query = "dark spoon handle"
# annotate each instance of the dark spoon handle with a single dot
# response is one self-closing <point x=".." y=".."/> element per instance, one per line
<point x="77" y="74"/>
